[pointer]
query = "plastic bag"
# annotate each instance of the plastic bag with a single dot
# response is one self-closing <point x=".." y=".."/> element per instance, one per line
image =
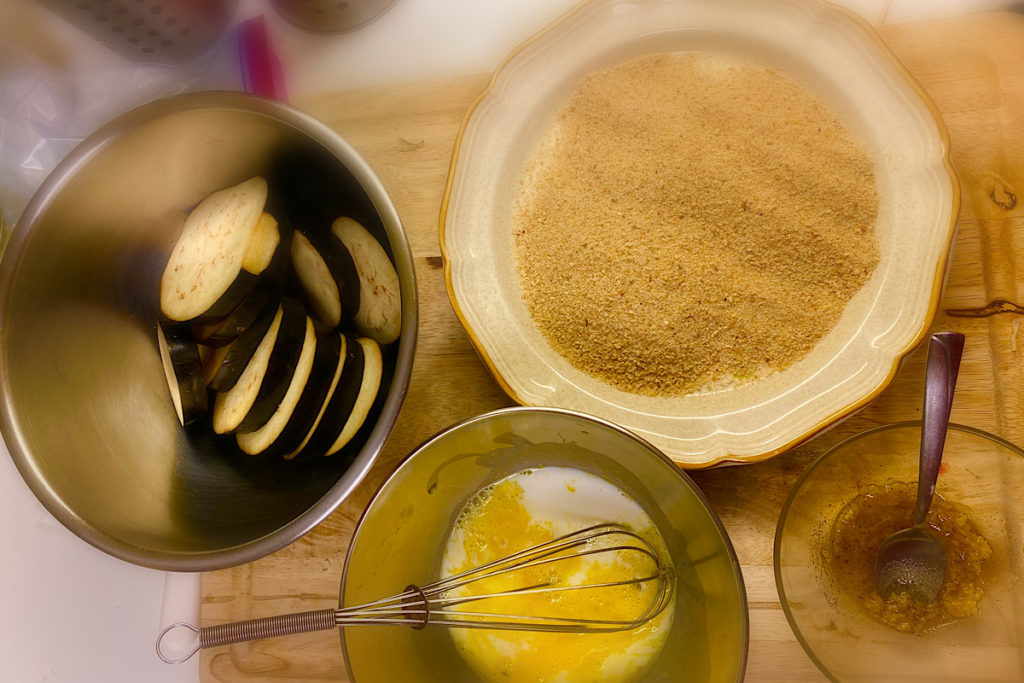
<point x="46" y="112"/>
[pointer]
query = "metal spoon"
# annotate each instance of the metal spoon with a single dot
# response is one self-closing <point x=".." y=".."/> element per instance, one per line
<point x="914" y="559"/>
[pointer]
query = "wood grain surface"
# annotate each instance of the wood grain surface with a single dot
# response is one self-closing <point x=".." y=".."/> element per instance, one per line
<point x="972" y="66"/>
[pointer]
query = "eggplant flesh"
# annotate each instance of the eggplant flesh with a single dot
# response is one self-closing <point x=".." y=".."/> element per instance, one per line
<point x="238" y="321"/>
<point x="328" y="276"/>
<point x="322" y="378"/>
<point x="211" y="358"/>
<point x="259" y="440"/>
<point x="242" y="349"/>
<point x="183" y="369"/>
<point x="306" y="432"/>
<point x="379" y="314"/>
<point x="234" y="348"/>
<point x="204" y="278"/>
<point x="230" y="407"/>
<point x="339" y="403"/>
<point x="264" y="249"/>
<point x="271" y="388"/>
<point x="352" y="399"/>
<point x="368" y="387"/>
<point x="236" y="293"/>
<point x="264" y="244"/>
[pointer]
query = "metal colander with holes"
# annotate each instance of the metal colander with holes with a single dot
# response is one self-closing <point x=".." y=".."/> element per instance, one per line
<point x="330" y="16"/>
<point x="165" y="31"/>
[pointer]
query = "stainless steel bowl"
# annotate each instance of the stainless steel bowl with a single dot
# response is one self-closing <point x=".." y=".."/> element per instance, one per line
<point x="85" y="410"/>
<point x="401" y="540"/>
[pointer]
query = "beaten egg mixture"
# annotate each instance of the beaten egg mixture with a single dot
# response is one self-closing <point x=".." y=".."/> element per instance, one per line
<point x="533" y="507"/>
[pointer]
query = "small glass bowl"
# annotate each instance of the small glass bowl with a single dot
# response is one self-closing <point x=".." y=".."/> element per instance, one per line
<point x="981" y="472"/>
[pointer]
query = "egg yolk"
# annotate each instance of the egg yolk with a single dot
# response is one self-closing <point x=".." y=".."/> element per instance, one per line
<point x="497" y="523"/>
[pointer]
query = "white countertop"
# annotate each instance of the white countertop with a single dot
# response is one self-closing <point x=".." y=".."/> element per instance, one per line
<point x="72" y="614"/>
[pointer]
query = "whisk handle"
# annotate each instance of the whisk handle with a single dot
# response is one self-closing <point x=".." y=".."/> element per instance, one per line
<point x="244" y="631"/>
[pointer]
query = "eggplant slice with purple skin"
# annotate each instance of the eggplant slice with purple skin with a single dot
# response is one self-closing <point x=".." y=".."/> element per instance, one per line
<point x="352" y="399"/>
<point x="369" y="385"/>
<point x="204" y="279"/>
<point x="284" y="358"/>
<point x="266" y="256"/>
<point x="347" y="275"/>
<point x="304" y="399"/>
<point x="241" y="351"/>
<point x="379" y="313"/>
<point x="183" y="368"/>
<point x="238" y="321"/>
<point x="230" y="407"/>
<point x="327" y="275"/>
<point x="301" y="427"/>
<point x="264" y="245"/>
<point x="211" y="358"/>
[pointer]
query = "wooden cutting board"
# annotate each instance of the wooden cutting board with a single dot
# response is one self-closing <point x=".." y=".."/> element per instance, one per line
<point x="973" y="67"/>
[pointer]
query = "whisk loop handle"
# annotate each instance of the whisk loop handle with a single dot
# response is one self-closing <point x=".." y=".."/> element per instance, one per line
<point x="243" y="631"/>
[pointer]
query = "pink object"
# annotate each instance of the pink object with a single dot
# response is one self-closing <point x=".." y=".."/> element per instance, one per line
<point x="261" y="70"/>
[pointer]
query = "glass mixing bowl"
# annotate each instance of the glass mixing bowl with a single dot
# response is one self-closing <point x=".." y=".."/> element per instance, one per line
<point x="401" y="540"/>
<point x="981" y="472"/>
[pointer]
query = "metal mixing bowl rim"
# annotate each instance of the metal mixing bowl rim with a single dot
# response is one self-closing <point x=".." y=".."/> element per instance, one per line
<point x="793" y="493"/>
<point x="9" y="265"/>
<point x="683" y="476"/>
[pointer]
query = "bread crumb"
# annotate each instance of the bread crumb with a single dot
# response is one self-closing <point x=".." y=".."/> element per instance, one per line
<point x="685" y="223"/>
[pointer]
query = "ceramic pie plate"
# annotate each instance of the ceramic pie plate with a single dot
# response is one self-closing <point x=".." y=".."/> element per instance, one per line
<point x="847" y="66"/>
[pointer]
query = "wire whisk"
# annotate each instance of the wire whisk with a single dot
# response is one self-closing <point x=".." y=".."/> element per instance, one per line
<point x="441" y="603"/>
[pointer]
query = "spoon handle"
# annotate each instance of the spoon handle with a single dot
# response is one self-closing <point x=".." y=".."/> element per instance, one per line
<point x="944" y="352"/>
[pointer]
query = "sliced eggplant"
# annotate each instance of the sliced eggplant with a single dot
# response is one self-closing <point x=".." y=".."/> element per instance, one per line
<point x="340" y="402"/>
<point x="270" y="251"/>
<point x="230" y="407"/>
<point x="238" y="321"/>
<point x="260" y="251"/>
<point x="350" y="404"/>
<point x="184" y="371"/>
<point x="263" y="258"/>
<point x="373" y="368"/>
<point x="211" y="357"/>
<point x="261" y="439"/>
<point x="318" y="404"/>
<point x="328" y="276"/>
<point x="280" y="367"/>
<point x="204" y="279"/>
<point x="322" y="377"/>
<point x="242" y="349"/>
<point x="379" y="314"/>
